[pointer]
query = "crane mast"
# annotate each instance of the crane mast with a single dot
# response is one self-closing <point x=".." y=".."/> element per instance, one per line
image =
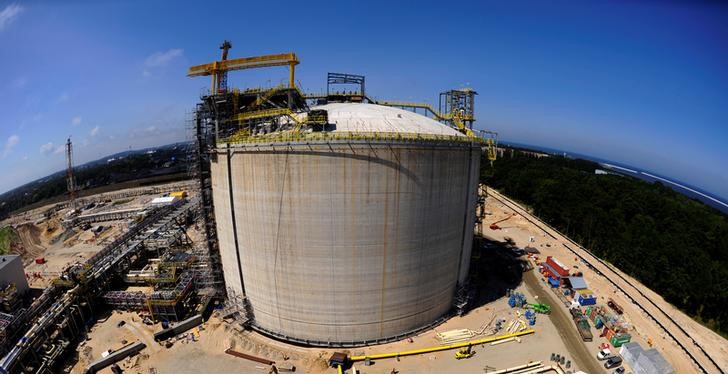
<point x="70" y="179"/>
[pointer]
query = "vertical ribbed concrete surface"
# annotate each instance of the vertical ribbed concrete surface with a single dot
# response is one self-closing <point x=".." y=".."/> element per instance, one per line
<point x="346" y="243"/>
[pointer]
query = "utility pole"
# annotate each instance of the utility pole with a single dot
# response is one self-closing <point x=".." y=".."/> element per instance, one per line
<point x="70" y="180"/>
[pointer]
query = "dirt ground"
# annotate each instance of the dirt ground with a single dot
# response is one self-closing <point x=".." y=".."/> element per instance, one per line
<point x="521" y="231"/>
<point x="39" y="236"/>
<point x="206" y="352"/>
<point x="202" y="349"/>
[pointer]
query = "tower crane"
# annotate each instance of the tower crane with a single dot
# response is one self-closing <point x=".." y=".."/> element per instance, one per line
<point x="222" y="76"/>
<point x="218" y="69"/>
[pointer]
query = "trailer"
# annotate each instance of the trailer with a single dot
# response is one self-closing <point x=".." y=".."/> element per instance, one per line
<point x="582" y="324"/>
<point x="616" y="307"/>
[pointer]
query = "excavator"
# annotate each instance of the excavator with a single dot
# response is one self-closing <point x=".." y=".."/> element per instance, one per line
<point x="539" y="308"/>
<point x="494" y="225"/>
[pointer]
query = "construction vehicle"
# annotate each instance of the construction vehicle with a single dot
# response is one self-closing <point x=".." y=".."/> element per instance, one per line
<point x="494" y="225"/>
<point x="466" y="352"/>
<point x="539" y="308"/>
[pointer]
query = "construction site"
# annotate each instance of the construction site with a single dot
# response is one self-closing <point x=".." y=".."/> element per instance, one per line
<point x="322" y="233"/>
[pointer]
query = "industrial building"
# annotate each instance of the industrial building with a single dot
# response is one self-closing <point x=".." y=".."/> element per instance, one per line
<point x="340" y="220"/>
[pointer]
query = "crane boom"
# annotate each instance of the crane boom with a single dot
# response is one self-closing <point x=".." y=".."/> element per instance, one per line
<point x="494" y="225"/>
<point x="213" y="68"/>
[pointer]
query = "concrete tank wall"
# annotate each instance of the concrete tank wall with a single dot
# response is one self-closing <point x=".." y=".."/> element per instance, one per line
<point x="346" y="243"/>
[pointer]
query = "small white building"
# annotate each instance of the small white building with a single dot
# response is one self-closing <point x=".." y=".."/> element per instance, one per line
<point x="644" y="361"/>
<point x="11" y="272"/>
<point x="163" y="200"/>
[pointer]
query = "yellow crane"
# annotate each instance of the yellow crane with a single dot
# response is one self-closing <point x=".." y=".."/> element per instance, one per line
<point x="218" y="69"/>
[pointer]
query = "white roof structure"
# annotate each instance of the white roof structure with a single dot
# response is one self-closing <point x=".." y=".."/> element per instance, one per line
<point x="357" y="117"/>
<point x="163" y="200"/>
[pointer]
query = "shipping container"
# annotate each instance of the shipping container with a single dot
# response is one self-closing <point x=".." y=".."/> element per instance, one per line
<point x="619" y="339"/>
<point x="557" y="266"/>
<point x="608" y="333"/>
<point x="585" y="297"/>
<point x="554" y="282"/>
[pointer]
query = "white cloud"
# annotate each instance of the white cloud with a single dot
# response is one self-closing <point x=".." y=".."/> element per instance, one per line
<point x="157" y="59"/>
<point x="75" y="121"/>
<point x="46" y="148"/>
<point x="151" y="129"/>
<point x="94" y="131"/>
<point x="20" y="82"/>
<point x="146" y="73"/>
<point x="8" y="15"/>
<point x="63" y="97"/>
<point x="10" y="144"/>
<point x="59" y="149"/>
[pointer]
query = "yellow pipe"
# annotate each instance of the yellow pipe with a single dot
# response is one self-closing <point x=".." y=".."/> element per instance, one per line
<point x="340" y="370"/>
<point x="440" y="347"/>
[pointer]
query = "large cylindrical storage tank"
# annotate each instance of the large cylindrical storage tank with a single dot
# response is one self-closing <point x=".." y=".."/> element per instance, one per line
<point x="356" y="236"/>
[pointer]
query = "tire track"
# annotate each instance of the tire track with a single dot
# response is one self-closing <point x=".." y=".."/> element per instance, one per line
<point x="669" y="320"/>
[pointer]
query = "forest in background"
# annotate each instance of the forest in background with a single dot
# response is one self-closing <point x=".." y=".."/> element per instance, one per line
<point x="151" y="164"/>
<point x="674" y="245"/>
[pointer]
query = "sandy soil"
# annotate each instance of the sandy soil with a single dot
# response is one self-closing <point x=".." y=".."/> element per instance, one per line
<point x="521" y="231"/>
<point x="46" y="237"/>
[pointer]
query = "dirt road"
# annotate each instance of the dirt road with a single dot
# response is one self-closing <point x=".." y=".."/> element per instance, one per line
<point x="705" y="355"/>
<point x="565" y="325"/>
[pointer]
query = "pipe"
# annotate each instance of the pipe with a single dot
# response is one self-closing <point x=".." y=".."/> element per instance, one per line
<point x="440" y="347"/>
<point x="545" y="369"/>
<point x="126" y="351"/>
<point x="339" y="370"/>
<point x="249" y="357"/>
<point x="503" y="341"/>
<point x="527" y="366"/>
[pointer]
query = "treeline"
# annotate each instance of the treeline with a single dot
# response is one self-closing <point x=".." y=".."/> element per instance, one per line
<point x="675" y="245"/>
<point x="127" y="166"/>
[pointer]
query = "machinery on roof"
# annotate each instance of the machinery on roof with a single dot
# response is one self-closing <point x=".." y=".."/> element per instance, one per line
<point x="218" y="69"/>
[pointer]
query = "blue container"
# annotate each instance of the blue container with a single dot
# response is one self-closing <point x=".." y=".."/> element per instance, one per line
<point x="554" y="282"/>
<point x="587" y="300"/>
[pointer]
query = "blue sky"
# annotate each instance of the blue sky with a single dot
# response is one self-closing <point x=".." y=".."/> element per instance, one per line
<point x="643" y="83"/>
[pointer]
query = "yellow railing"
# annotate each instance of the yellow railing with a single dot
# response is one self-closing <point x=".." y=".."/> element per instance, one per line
<point x="296" y="136"/>
<point x="266" y="113"/>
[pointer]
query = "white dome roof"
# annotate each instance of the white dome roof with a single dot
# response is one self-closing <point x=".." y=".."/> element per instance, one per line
<point x="357" y="117"/>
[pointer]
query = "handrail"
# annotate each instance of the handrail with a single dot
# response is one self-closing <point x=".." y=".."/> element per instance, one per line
<point x="288" y="136"/>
